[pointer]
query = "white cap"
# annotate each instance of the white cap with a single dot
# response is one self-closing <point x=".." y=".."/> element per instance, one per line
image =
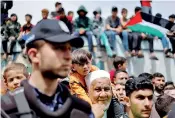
<point x="96" y="75"/>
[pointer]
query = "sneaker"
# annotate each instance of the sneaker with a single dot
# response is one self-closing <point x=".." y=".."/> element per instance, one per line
<point x="153" y="57"/>
<point x="140" y="54"/>
<point x="133" y="53"/>
<point x="127" y="54"/>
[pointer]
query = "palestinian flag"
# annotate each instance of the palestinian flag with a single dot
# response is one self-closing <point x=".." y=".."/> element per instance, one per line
<point x="138" y="24"/>
<point x="157" y="20"/>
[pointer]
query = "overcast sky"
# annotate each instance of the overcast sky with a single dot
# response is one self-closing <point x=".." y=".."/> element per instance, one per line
<point x="34" y="7"/>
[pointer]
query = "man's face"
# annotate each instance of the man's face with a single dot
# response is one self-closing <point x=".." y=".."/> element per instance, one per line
<point x="114" y="13"/>
<point x="141" y="102"/>
<point x="14" y="78"/>
<point x="172" y="19"/>
<point x="98" y="15"/>
<point x="82" y="13"/>
<point x="28" y="19"/>
<point x="100" y="91"/>
<point x="58" y="7"/>
<point x="83" y="69"/>
<point x="121" y="78"/>
<point x="44" y="15"/>
<point x="120" y="91"/>
<point x="159" y="83"/>
<point x="71" y="14"/>
<point x="13" y="18"/>
<point x="54" y="60"/>
<point x="124" y="14"/>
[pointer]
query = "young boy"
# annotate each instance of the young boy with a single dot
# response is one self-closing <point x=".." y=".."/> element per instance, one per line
<point x="81" y="66"/>
<point x="119" y="63"/>
<point x="14" y="74"/>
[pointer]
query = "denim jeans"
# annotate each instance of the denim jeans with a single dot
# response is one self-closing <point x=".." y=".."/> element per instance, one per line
<point x="102" y="39"/>
<point x="105" y="42"/>
<point x="112" y="39"/>
<point x="125" y="40"/>
<point x="165" y="42"/>
<point x="88" y="34"/>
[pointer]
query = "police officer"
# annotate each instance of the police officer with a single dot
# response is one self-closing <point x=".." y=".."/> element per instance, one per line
<point x="49" y="51"/>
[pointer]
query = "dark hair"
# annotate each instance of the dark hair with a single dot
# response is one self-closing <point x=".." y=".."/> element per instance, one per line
<point x="158" y="15"/>
<point x="146" y="75"/>
<point x="114" y="9"/>
<point x="169" y="83"/>
<point x="80" y="56"/>
<point x="157" y="75"/>
<point x="29" y="15"/>
<point x="119" y="71"/>
<point x="172" y="16"/>
<point x="137" y="9"/>
<point x="131" y="77"/>
<point x="118" y="60"/>
<point x="70" y="12"/>
<point x="57" y="3"/>
<point x="124" y="10"/>
<point x="139" y="83"/>
<point x="163" y="104"/>
<point x="61" y="10"/>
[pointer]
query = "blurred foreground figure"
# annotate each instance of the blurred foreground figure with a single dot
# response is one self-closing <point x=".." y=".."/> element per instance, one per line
<point x="42" y="96"/>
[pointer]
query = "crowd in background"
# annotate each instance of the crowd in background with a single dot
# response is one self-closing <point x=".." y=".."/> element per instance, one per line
<point x="113" y="94"/>
<point x="104" y="30"/>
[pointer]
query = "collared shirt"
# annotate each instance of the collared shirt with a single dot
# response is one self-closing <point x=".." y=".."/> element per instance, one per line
<point x="54" y="102"/>
<point x="51" y="102"/>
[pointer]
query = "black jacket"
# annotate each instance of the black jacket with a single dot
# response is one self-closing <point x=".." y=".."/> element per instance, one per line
<point x="5" y="6"/>
<point x="116" y="109"/>
<point x="68" y="23"/>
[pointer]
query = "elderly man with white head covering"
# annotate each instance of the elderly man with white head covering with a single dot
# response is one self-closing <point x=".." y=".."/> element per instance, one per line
<point x="100" y="92"/>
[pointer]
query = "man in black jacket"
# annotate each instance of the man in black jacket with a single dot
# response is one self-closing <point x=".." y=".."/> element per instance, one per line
<point x="5" y="6"/>
<point x="64" y="18"/>
<point x="49" y="51"/>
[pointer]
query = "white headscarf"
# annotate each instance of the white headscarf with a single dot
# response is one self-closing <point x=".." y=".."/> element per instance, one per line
<point x="96" y="75"/>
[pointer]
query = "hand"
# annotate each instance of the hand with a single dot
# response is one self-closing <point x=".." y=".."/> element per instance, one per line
<point x="12" y="38"/>
<point x="81" y="31"/>
<point x="143" y="35"/>
<point x="98" y="110"/>
<point x="119" y="30"/>
<point x="156" y="38"/>
<point x="128" y="30"/>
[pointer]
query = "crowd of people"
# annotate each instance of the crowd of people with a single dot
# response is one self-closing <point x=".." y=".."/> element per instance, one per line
<point x="65" y="83"/>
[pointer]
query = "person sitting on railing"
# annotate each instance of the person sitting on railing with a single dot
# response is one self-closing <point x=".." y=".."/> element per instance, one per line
<point x="113" y="28"/>
<point x="25" y="30"/>
<point x="11" y="34"/>
<point x="98" y="31"/>
<point x="83" y="25"/>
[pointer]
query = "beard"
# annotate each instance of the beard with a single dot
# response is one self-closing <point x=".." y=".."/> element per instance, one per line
<point x="50" y="74"/>
<point x="159" y="88"/>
